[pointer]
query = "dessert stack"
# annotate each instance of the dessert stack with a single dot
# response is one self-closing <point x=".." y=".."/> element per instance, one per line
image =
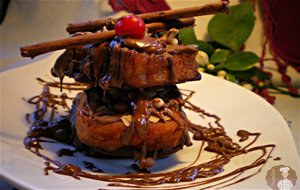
<point x="132" y="107"/>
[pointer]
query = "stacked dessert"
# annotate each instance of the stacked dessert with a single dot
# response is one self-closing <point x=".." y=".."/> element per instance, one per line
<point x="132" y="107"/>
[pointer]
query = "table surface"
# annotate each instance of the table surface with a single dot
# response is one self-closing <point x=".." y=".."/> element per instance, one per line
<point x="26" y="28"/>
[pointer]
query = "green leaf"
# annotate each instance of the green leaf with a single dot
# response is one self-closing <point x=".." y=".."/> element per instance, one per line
<point x="241" y="61"/>
<point x="245" y="75"/>
<point x="206" y="47"/>
<point x="233" y="29"/>
<point x="219" y="66"/>
<point x="219" y="56"/>
<point x="217" y="45"/>
<point x="188" y="36"/>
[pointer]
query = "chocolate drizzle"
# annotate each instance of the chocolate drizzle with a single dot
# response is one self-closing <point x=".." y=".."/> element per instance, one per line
<point x="200" y="174"/>
<point x="65" y="152"/>
<point x="122" y="62"/>
<point x="92" y="167"/>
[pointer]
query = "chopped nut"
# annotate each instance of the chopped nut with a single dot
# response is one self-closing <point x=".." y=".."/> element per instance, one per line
<point x="166" y="117"/>
<point x="173" y="41"/>
<point x="126" y="119"/>
<point x="158" y="102"/>
<point x="149" y="162"/>
<point x="153" y="119"/>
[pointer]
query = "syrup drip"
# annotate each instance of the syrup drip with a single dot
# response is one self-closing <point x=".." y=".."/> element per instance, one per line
<point x="213" y="139"/>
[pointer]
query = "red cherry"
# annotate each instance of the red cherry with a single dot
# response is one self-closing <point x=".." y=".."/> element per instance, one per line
<point x="130" y="26"/>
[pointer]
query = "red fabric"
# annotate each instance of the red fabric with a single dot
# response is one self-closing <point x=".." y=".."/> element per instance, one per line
<point x="139" y="6"/>
<point x="283" y="30"/>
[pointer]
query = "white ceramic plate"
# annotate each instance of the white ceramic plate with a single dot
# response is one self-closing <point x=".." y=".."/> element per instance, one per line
<point x="237" y="107"/>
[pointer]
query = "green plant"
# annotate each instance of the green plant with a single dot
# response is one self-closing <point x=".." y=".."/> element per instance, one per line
<point x="225" y="56"/>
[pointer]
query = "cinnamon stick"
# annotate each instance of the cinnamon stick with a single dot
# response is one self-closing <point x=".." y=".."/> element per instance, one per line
<point x="212" y="8"/>
<point x="45" y="47"/>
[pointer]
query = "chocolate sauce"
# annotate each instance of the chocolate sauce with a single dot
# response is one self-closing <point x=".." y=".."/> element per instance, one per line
<point x="277" y="158"/>
<point x="137" y="168"/>
<point x="92" y="167"/>
<point x="105" y="64"/>
<point x="65" y="152"/>
<point x="214" y="139"/>
<point x="146" y="44"/>
<point x="65" y="169"/>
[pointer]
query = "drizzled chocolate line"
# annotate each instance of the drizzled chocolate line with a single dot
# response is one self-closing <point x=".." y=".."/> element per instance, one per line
<point x="210" y="172"/>
<point x="67" y="86"/>
<point x="46" y="100"/>
<point x="94" y="25"/>
<point x="97" y="37"/>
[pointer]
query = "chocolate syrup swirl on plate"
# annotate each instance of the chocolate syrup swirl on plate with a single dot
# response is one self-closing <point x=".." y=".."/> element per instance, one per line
<point x="201" y="174"/>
